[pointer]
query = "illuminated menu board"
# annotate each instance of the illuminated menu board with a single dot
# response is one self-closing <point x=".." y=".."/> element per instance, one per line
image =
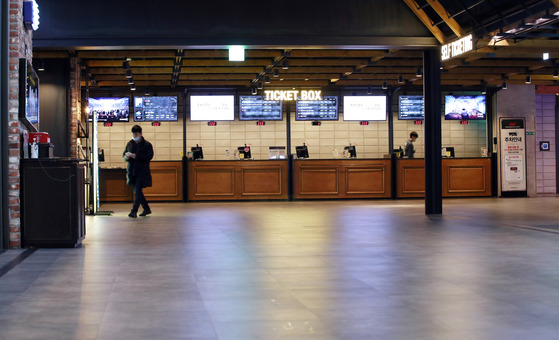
<point x="325" y="109"/>
<point x="411" y="107"/>
<point x="212" y="108"/>
<point x="256" y="108"/>
<point x="158" y="109"/>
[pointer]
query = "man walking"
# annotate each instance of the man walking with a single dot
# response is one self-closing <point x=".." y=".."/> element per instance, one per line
<point x="138" y="154"/>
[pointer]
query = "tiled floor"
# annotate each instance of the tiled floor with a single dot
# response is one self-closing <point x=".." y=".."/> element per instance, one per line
<point x="296" y="270"/>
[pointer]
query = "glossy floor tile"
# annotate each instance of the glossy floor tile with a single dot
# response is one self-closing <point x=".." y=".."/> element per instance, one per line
<point x="295" y="270"/>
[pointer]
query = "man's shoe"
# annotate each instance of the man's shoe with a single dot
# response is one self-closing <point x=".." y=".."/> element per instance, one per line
<point x="146" y="212"/>
<point x="133" y="214"/>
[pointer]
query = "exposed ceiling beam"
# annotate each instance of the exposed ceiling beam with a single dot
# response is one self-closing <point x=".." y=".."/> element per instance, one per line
<point x="426" y="21"/>
<point x="443" y="13"/>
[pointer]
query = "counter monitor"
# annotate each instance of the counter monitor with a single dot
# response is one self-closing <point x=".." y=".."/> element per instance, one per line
<point x="212" y="108"/>
<point x="244" y="152"/>
<point x="155" y="109"/>
<point x="256" y="108"/>
<point x="464" y="107"/>
<point x="365" y="108"/>
<point x="109" y="109"/>
<point x="411" y="107"/>
<point x="197" y="152"/>
<point x="325" y="109"/>
<point x="302" y="151"/>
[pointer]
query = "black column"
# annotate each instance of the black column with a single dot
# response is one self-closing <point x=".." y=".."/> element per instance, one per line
<point x="289" y="154"/>
<point x="433" y="163"/>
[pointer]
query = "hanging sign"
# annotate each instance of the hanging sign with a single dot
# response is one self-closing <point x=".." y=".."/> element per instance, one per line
<point x="513" y="154"/>
<point x="293" y="94"/>
<point x="457" y="47"/>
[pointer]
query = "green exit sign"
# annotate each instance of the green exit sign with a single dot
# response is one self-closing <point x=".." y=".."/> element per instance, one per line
<point x="530" y="133"/>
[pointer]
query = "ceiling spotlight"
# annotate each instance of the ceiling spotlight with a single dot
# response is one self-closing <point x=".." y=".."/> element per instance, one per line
<point x="133" y="87"/>
<point x="126" y="65"/>
<point x="130" y="81"/>
<point x="384" y="85"/>
<point x="545" y="56"/>
<point x="285" y="65"/>
<point x="418" y="73"/>
<point x="370" y="90"/>
<point x="128" y="73"/>
<point x="555" y="74"/>
<point x="260" y="86"/>
<point x="267" y="80"/>
<point x="504" y="86"/>
<point x="528" y="79"/>
<point x="400" y="79"/>
<point x="254" y="91"/>
<point x="483" y="88"/>
<point x="442" y="66"/>
<point x="276" y="72"/>
<point x="146" y="92"/>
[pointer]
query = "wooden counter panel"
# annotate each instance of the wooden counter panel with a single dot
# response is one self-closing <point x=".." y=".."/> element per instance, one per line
<point x="166" y="179"/>
<point x="237" y="180"/>
<point x="211" y="182"/>
<point x="113" y="187"/>
<point x="318" y="182"/>
<point x="462" y="177"/>
<point x="466" y="177"/>
<point x="167" y="182"/>
<point x="367" y="181"/>
<point x="341" y="178"/>
<point x="411" y="178"/>
<point x="258" y="181"/>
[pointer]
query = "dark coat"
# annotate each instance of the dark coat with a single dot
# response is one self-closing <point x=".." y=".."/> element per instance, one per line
<point x="139" y="166"/>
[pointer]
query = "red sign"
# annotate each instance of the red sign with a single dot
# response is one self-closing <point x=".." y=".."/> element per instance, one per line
<point x="155" y="123"/>
<point x="108" y="124"/>
<point x="260" y="123"/>
<point x="418" y="122"/>
<point x="364" y="123"/>
<point x="464" y="122"/>
<point x="212" y="123"/>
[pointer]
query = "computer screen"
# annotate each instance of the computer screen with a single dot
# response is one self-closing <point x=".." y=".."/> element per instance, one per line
<point x="109" y="109"/>
<point x="411" y="108"/>
<point x="155" y="109"/>
<point x="364" y="108"/>
<point x="325" y="109"/>
<point x="212" y="108"/>
<point x="464" y="107"/>
<point x="256" y="108"/>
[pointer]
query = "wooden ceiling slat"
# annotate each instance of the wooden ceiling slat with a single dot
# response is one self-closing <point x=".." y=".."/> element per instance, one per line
<point x="336" y="53"/>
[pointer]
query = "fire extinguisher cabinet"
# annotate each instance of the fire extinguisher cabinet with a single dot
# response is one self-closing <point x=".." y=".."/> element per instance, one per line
<point x="53" y="202"/>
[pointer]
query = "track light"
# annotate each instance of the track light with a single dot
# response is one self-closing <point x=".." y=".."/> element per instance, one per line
<point x="146" y="92"/>
<point x="555" y="74"/>
<point x="133" y="87"/>
<point x="276" y="72"/>
<point x="370" y="90"/>
<point x="285" y="65"/>
<point x="130" y="81"/>
<point x="528" y="79"/>
<point x="504" y="86"/>
<point x="384" y="85"/>
<point x="400" y="79"/>
<point x="266" y="80"/>
<point x="128" y="73"/>
<point x="126" y="65"/>
<point x="442" y="66"/>
<point x="254" y="91"/>
<point x="483" y="88"/>
<point x="418" y="73"/>
<point x="260" y="86"/>
<point x="41" y="67"/>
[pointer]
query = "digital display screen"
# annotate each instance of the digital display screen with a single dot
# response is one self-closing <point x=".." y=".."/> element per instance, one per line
<point x="464" y="108"/>
<point x="325" y="109"/>
<point x="155" y="109"/>
<point x="212" y="108"/>
<point x="109" y="109"/>
<point x="411" y="108"/>
<point x="364" y="108"/>
<point x="256" y="108"/>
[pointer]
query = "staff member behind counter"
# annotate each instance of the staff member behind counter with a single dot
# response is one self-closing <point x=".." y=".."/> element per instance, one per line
<point x="409" y="151"/>
<point x="138" y="154"/>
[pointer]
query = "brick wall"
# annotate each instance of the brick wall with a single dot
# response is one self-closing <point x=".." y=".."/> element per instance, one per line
<point x="20" y="45"/>
<point x="545" y="131"/>
<point x="75" y="105"/>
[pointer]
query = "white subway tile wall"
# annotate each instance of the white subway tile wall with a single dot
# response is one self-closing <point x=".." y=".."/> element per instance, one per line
<point x="324" y="142"/>
<point x="545" y="131"/>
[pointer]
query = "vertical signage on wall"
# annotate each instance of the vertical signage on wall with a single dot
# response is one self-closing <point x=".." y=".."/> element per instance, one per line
<point x="513" y="154"/>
